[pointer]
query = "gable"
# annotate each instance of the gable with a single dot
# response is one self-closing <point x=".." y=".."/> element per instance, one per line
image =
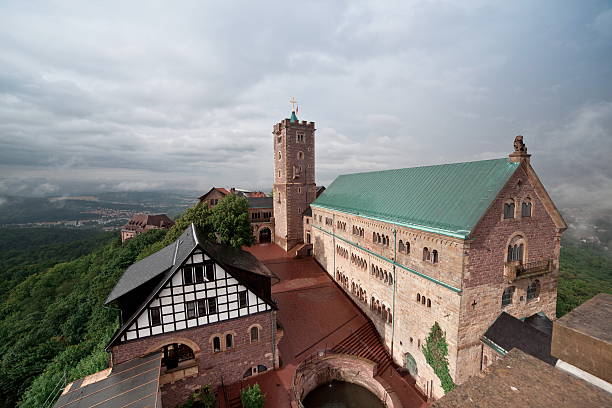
<point x="448" y="198"/>
<point x="183" y="304"/>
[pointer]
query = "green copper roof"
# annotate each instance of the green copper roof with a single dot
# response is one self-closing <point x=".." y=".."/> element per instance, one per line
<point x="448" y="198"/>
<point x="293" y="117"/>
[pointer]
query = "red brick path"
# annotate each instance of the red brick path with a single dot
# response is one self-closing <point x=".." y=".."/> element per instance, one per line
<point x="317" y="315"/>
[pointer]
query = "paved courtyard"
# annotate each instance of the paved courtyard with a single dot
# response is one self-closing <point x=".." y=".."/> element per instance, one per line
<point x="317" y="315"/>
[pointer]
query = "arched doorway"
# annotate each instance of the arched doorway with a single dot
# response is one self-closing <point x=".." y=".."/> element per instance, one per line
<point x="176" y="354"/>
<point x="265" y="235"/>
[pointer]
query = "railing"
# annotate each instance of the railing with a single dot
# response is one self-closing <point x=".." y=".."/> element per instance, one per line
<point x="55" y="392"/>
<point x="533" y="267"/>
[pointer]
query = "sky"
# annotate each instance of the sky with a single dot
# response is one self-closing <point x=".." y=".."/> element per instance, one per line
<point x="183" y="95"/>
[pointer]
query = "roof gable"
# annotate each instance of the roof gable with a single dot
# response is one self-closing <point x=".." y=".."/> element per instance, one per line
<point x="447" y="198"/>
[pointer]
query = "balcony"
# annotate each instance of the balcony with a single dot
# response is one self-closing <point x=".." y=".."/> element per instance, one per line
<point x="516" y="270"/>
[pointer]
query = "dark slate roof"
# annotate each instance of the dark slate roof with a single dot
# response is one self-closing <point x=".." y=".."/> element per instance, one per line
<point x="134" y="383"/>
<point x="260" y="202"/>
<point x="308" y="212"/>
<point x="150" y="267"/>
<point x="541" y="322"/>
<point x="236" y="258"/>
<point x="508" y="332"/>
<point x="447" y="198"/>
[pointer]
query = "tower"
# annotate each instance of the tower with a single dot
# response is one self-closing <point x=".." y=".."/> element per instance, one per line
<point x="294" y="178"/>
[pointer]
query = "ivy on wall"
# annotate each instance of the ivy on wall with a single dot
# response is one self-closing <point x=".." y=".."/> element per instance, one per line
<point x="435" y="351"/>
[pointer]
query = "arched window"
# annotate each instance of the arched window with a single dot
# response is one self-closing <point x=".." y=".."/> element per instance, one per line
<point x="248" y="373"/>
<point x="229" y="341"/>
<point x="418" y="297"/>
<point x="422" y="300"/>
<point x="509" y="210"/>
<point x="280" y="155"/>
<point x="300" y="155"/>
<point x="425" y="254"/>
<point x="216" y="344"/>
<point x="526" y="208"/>
<point x="390" y="279"/>
<point x="434" y="256"/>
<point x="533" y="290"/>
<point x="507" y="296"/>
<point x="407" y="247"/>
<point x="428" y="302"/>
<point x="390" y="319"/>
<point x="516" y="249"/>
<point x="400" y="246"/>
<point x="372" y="303"/>
<point x="254" y="334"/>
<point x="261" y="368"/>
<point x="373" y="237"/>
<point x="378" y="238"/>
<point x="386" y="278"/>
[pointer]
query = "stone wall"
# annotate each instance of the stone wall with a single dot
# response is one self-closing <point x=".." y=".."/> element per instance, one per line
<point x="212" y="367"/>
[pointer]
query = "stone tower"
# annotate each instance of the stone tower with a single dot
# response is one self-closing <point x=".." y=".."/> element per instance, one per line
<point x="294" y="178"/>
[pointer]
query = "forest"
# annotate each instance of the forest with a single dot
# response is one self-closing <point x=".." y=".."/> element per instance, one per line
<point x="52" y="309"/>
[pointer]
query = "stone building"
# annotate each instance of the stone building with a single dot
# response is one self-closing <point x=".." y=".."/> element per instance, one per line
<point x="261" y="210"/>
<point x="140" y="223"/>
<point x="294" y="178"/>
<point x="205" y="307"/>
<point x="457" y="244"/>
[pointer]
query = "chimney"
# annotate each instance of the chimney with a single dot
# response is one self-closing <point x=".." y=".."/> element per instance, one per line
<point x="519" y="154"/>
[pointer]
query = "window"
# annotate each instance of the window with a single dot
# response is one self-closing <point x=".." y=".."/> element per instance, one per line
<point x="428" y="302"/>
<point x="248" y="373"/>
<point x="407" y="247"/>
<point x="434" y="256"/>
<point x="533" y="290"/>
<point x="155" y="316"/>
<point x="507" y="296"/>
<point x="515" y="252"/>
<point x="210" y="272"/>
<point x="280" y="156"/>
<point x="508" y="210"/>
<point x="299" y="137"/>
<point x="401" y="247"/>
<point x="526" y="209"/>
<point x="216" y="344"/>
<point x="425" y="254"/>
<point x="187" y="276"/>
<point x="212" y="305"/>
<point x="229" y="341"/>
<point x="390" y="279"/>
<point x="199" y="274"/>
<point x="202" y="307"/>
<point x="279" y="139"/>
<point x="242" y="299"/>
<point x="418" y="297"/>
<point x="254" y="334"/>
<point x="300" y="156"/>
<point x="261" y="368"/>
<point x="190" y="307"/>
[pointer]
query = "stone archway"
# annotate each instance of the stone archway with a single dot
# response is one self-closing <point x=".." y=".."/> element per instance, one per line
<point x="265" y="235"/>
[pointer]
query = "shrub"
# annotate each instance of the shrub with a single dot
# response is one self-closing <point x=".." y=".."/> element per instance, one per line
<point x="252" y="397"/>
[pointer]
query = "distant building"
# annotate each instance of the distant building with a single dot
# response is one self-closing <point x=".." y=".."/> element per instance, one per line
<point x="140" y="223"/>
<point x="206" y="308"/>
<point x="261" y="210"/>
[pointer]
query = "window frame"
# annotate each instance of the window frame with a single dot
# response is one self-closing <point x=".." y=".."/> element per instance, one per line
<point x="158" y="314"/>
<point x="242" y="304"/>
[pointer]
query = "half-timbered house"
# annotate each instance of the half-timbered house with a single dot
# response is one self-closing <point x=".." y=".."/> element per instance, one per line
<point x="206" y="307"/>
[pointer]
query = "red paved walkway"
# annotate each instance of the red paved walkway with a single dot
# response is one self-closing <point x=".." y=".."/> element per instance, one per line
<point x="317" y="315"/>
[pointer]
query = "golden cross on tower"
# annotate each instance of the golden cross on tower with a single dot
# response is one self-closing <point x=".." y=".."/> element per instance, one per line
<point x="293" y="102"/>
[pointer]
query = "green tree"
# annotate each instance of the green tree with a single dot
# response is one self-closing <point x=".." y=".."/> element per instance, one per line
<point x="199" y="214"/>
<point x="230" y="221"/>
<point x="252" y="397"/>
<point x="435" y="351"/>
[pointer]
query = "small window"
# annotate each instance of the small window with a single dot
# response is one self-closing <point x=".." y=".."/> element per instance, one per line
<point x="299" y="137"/>
<point x="300" y="156"/>
<point x="202" y="307"/>
<point x="390" y="279"/>
<point x="407" y="247"/>
<point x="254" y="334"/>
<point x="216" y="344"/>
<point x="526" y="209"/>
<point x="199" y="274"/>
<point x="401" y="247"/>
<point x="434" y="256"/>
<point x="507" y="296"/>
<point x="248" y="373"/>
<point x="261" y="368"/>
<point x="155" y="315"/>
<point x="279" y="139"/>
<point x="210" y="272"/>
<point x="425" y="254"/>
<point x="418" y="297"/>
<point x="508" y="210"/>
<point x="187" y="276"/>
<point x="242" y="299"/>
<point x="190" y="307"/>
<point x="229" y="341"/>
<point x="280" y="155"/>
<point x="533" y="290"/>
<point x="428" y="302"/>
<point x="212" y="305"/>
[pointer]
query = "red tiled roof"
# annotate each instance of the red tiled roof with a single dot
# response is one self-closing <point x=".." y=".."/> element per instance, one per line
<point x="142" y="222"/>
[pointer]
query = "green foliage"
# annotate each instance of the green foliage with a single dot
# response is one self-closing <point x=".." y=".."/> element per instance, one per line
<point x="230" y="220"/>
<point x="584" y="272"/>
<point x="252" y="397"/>
<point x="435" y="351"/>
<point x="199" y="215"/>
<point x="54" y="322"/>
<point x="203" y="398"/>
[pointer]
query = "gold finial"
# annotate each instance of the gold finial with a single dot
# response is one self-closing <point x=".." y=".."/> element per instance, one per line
<point x="293" y="103"/>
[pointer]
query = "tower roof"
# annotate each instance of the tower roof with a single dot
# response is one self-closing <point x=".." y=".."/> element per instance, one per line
<point x="294" y="117"/>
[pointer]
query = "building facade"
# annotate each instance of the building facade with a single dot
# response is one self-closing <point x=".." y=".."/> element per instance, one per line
<point x="205" y="307"/>
<point x="456" y="244"/>
<point x="294" y="178"/>
<point x="140" y="223"/>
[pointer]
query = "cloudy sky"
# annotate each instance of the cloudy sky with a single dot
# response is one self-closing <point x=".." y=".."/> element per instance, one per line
<point x="128" y="95"/>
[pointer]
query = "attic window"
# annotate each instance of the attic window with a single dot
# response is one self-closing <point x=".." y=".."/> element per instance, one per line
<point x="199" y="274"/>
<point x="210" y="272"/>
<point x="242" y="299"/>
<point x="155" y="314"/>
<point x="187" y="276"/>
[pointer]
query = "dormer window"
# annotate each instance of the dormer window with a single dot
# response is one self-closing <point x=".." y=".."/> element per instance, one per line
<point x="509" y="210"/>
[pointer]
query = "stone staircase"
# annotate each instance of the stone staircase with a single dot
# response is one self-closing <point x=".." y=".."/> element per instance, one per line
<point x="299" y="251"/>
<point x="365" y="342"/>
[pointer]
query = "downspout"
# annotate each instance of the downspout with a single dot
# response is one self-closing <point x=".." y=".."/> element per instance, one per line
<point x="394" y="289"/>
